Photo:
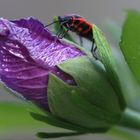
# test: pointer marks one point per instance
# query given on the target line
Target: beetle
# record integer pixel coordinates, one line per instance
(77, 24)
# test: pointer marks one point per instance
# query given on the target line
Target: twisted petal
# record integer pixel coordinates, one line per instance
(28, 53)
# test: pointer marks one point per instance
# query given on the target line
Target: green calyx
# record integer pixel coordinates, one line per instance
(92, 103)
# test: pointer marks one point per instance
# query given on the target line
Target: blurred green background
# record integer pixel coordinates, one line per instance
(15, 121)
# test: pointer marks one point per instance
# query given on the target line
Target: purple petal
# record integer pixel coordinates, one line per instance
(28, 53)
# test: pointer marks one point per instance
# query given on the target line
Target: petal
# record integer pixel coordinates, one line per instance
(28, 53)
(44, 47)
(23, 75)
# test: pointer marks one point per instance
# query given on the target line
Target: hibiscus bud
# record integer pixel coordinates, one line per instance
(56, 75)
(92, 103)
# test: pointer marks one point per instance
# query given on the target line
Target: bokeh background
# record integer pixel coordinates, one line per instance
(99, 12)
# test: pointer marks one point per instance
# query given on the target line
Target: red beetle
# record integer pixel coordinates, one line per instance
(77, 24)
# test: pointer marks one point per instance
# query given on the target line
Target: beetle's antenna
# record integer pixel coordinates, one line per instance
(51, 23)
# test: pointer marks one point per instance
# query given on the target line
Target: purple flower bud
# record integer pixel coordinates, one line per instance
(28, 53)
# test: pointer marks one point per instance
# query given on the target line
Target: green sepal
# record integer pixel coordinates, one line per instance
(90, 77)
(92, 85)
(57, 134)
(94, 110)
(63, 106)
(107, 59)
(57, 122)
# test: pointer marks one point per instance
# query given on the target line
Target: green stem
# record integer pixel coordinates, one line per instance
(131, 119)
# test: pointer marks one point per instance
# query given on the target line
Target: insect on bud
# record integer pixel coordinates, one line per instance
(56, 75)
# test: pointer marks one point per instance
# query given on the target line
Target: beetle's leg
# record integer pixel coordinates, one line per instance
(81, 41)
(92, 47)
(93, 50)
(63, 35)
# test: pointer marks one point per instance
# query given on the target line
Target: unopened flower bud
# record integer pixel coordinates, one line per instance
(56, 75)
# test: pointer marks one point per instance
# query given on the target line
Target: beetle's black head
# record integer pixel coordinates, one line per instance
(65, 19)
(68, 20)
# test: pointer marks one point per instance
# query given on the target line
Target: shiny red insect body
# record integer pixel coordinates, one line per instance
(77, 24)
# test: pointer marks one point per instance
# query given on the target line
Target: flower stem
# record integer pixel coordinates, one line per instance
(131, 119)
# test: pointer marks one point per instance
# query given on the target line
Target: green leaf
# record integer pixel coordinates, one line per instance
(106, 57)
(54, 121)
(113, 30)
(14, 116)
(130, 42)
(57, 135)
